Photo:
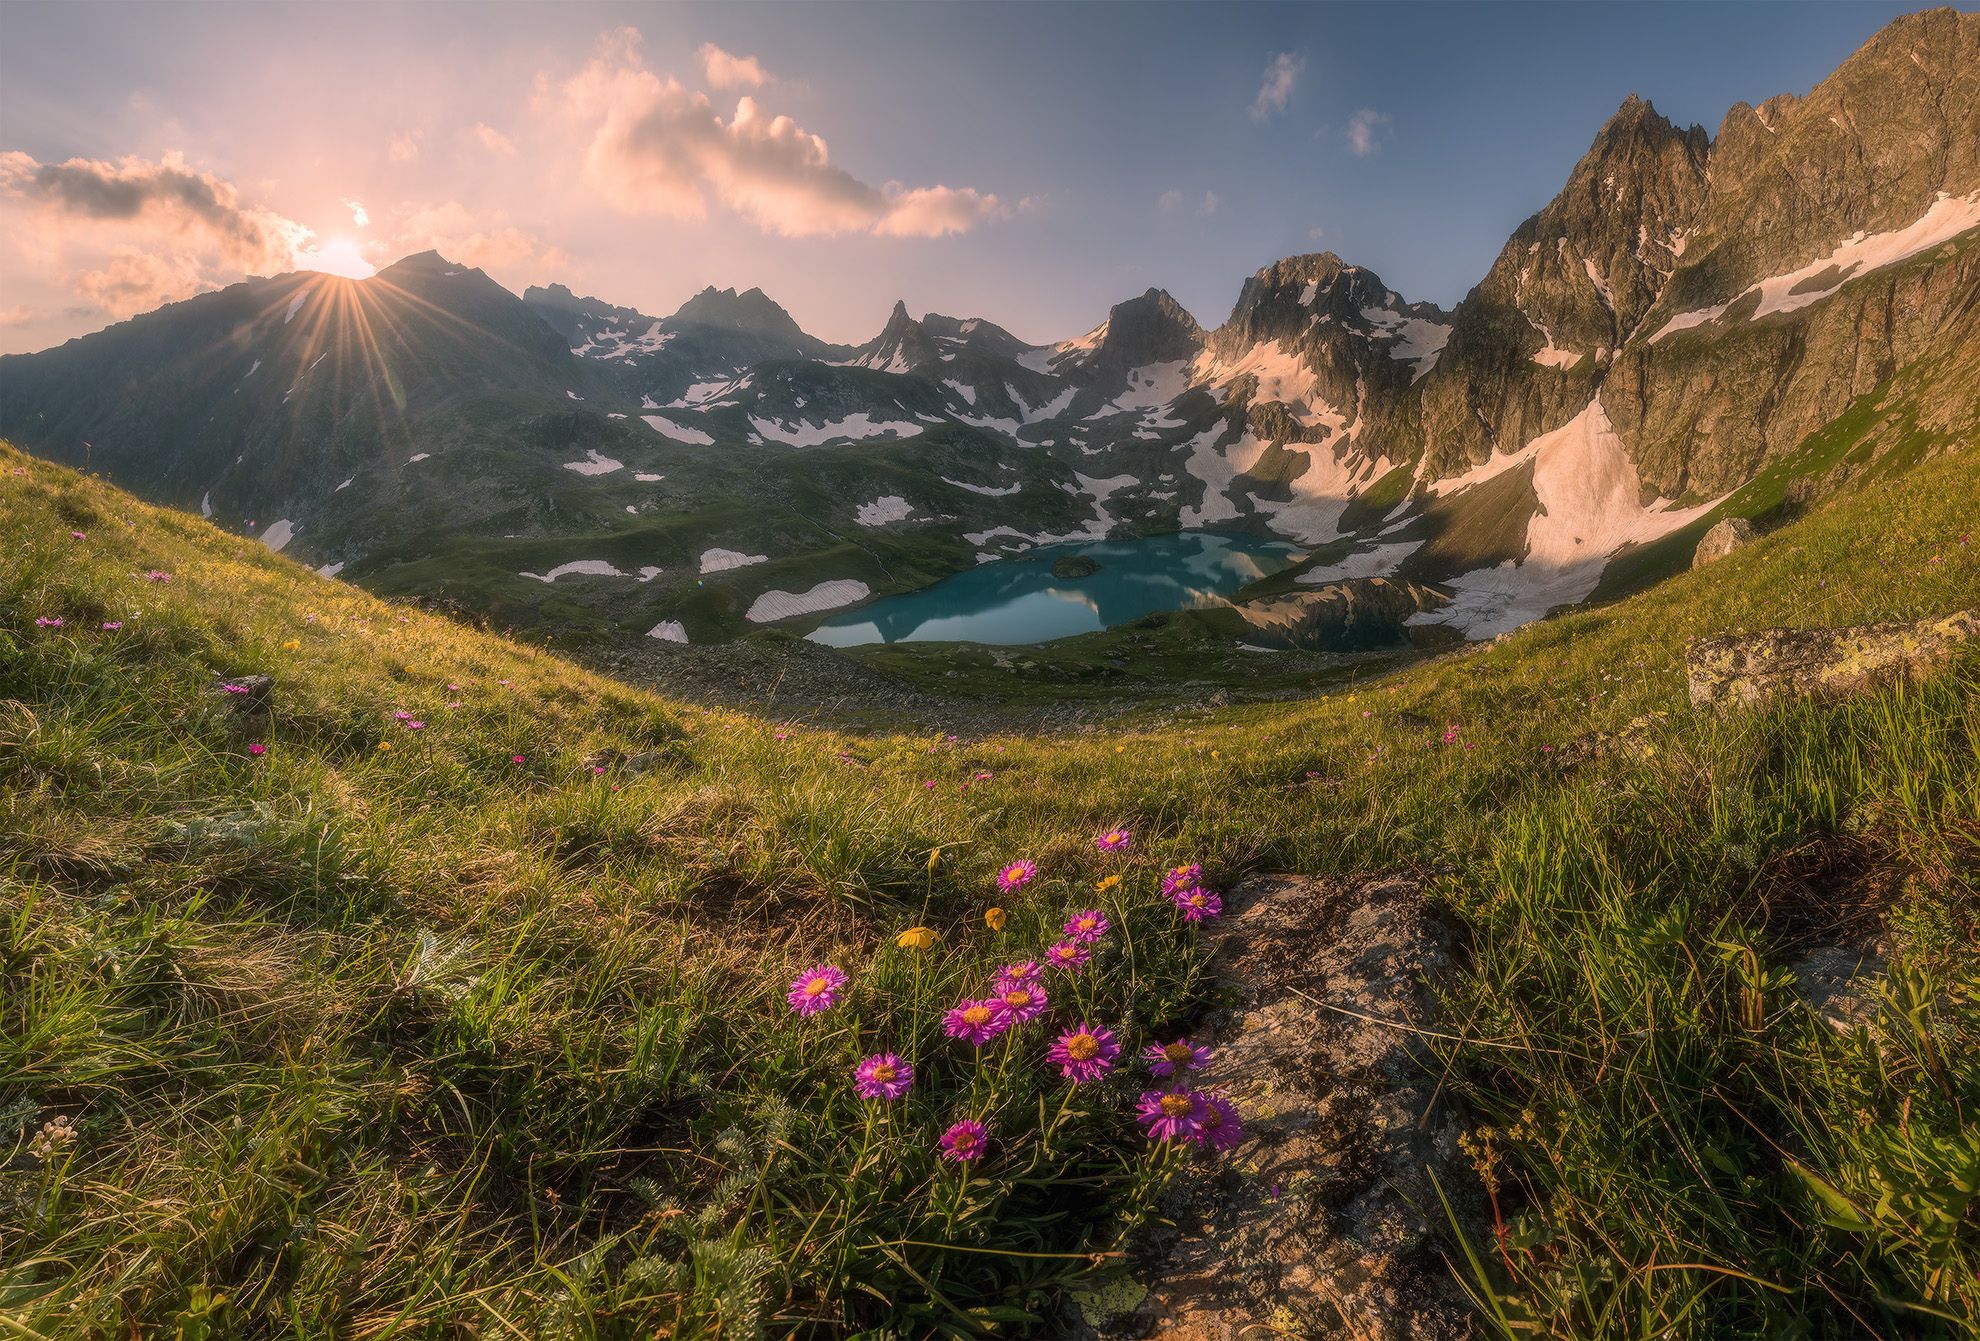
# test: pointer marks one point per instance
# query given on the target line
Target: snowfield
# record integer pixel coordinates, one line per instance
(1588, 492)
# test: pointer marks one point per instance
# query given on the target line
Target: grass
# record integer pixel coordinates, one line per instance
(466, 1037)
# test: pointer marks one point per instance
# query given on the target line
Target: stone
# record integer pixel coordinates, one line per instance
(1840, 983)
(1326, 1219)
(1747, 670)
(1727, 535)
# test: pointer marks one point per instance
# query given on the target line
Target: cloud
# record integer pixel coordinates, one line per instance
(1170, 202)
(723, 70)
(1209, 205)
(654, 148)
(482, 242)
(16, 315)
(493, 140)
(168, 196)
(1315, 234)
(137, 281)
(1282, 74)
(358, 214)
(403, 148)
(1366, 130)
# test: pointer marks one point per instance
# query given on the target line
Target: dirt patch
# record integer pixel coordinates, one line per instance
(1326, 1221)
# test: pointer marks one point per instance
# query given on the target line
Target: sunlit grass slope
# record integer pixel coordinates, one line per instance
(478, 1027)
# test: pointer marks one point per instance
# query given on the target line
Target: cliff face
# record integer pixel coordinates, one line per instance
(1724, 298)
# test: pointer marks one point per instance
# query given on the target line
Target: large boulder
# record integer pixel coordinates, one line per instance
(1725, 537)
(1326, 1219)
(1753, 668)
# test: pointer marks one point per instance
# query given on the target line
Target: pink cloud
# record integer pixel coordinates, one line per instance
(723, 70)
(656, 148)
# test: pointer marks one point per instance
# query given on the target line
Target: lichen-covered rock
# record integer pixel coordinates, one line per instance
(1727, 535)
(1840, 983)
(1326, 1221)
(1754, 668)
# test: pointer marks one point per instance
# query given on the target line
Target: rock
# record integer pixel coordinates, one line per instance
(247, 699)
(1724, 537)
(1840, 982)
(1750, 669)
(1075, 565)
(1325, 1220)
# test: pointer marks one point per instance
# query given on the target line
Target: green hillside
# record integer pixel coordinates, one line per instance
(316, 1022)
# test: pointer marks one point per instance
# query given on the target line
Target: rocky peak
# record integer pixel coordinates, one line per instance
(752, 312)
(902, 344)
(1153, 328)
(1290, 300)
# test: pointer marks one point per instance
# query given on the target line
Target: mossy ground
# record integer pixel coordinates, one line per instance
(461, 1036)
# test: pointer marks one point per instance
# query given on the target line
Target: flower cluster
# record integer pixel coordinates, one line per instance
(1084, 1053)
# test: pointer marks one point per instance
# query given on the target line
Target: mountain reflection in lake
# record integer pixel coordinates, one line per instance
(1020, 601)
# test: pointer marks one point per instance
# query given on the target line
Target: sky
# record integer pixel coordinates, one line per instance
(1028, 163)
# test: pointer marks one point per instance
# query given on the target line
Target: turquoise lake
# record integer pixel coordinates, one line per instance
(1019, 601)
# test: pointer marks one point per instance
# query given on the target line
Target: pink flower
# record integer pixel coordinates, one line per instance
(1217, 1122)
(816, 989)
(1025, 973)
(882, 1076)
(983, 775)
(402, 716)
(233, 689)
(1198, 905)
(515, 758)
(48, 622)
(257, 749)
(157, 575)
(1114, 840)
(112, 625)
(965, 1141)
(1016, 875)
(1018, 1004)
(1087, 926)
(1069, 955)
(77, 535)
(976, 1022)
(1084, 1053)
(1167, 1115)
(414, 724)
(1181, 1056)
(1182, 877)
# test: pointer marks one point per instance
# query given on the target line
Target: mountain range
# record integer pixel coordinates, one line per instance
(1698, 325)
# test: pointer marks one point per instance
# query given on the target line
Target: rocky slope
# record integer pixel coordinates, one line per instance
(1665, 333)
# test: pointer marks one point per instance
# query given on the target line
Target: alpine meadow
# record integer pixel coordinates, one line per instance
(1386, 818)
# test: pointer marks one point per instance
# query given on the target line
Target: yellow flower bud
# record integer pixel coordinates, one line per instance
(993, 918)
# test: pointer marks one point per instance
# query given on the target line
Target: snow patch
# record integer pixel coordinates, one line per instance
(887, 508)
(805, 434)
(721, 560)
(330, 569)
(595, 463)
(668, 631)
(1853, 258)
(987, 490)
(294, 303)
(775, 605)
(589, 567)
(669, 428)
(278, 534)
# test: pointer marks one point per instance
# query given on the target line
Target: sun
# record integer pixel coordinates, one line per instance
(338, 256)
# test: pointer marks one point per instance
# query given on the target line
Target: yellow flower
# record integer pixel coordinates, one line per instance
(916, 938)
(292, 644)
(384, 744)
(1106, 884)
(993, 918)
